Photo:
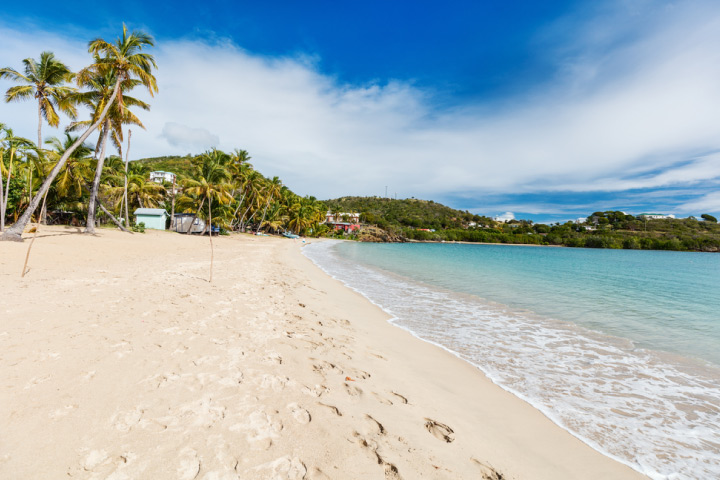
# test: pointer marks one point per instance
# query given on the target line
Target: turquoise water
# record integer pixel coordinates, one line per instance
(661, 300)
(622, 348)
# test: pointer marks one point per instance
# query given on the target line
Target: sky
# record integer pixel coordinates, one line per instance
(539, 110)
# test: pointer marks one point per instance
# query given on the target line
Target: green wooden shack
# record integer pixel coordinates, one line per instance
(155, 218)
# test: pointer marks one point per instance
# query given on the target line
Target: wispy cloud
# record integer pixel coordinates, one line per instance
(179, 135)
(634, 105)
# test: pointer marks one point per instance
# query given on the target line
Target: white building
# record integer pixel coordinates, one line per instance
(160, 177)
(655, 216)
(338, 217)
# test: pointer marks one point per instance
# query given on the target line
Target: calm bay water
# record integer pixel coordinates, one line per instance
(622, 348)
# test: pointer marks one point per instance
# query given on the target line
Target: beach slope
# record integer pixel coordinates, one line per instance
(118, 359)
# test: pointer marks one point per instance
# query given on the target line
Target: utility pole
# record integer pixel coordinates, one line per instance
(386, 191)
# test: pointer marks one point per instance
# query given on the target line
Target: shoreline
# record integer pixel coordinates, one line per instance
(144, 369)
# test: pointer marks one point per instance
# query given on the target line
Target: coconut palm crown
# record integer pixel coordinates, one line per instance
(125, 58)
(43, 80)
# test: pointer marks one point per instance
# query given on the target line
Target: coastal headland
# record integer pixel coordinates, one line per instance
(119, 359)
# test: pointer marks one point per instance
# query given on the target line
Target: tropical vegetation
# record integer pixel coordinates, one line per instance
(73, 179)
(421, 220)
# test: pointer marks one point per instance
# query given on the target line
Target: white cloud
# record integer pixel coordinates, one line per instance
(178, 135)
(504, 217)
(634, 114)
(705, 204)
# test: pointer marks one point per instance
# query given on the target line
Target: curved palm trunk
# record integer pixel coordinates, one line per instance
(2, 202)
(251, 217)
(14, 233)
(4, 198)
(212, 251)
(264, 212)
(125, 193)
(43, 209)
(112, 217)
(39, 125)
(241, 224)
(7, 184)
(232, 224)
(90, 226)
(195, 217)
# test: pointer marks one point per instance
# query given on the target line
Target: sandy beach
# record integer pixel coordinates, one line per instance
(119, 360)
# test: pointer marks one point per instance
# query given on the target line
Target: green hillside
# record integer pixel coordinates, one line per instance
(409, 212)
(180, 165)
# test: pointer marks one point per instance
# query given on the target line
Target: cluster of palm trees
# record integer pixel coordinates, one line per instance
(71, 178)
(116, 68)
(225, 190)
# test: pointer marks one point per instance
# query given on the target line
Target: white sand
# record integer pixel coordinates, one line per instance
(119, 360)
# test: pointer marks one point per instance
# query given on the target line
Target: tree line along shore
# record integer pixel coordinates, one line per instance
(65, 180)
(422, 220)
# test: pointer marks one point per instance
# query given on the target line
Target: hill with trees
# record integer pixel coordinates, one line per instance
(389, 213)
(423, 220)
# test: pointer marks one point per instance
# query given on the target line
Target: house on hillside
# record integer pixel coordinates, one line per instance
(340, 217)
(154, 218)
(655, 216)
(348, 222)
(160, 177)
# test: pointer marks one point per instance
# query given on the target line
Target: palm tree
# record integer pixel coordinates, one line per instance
(126, 58)
(44, 81)
(12, 147)
(101, 84)
(253, 188)
(140, 192)
(273, 189)
(210, 184)
(73, 176)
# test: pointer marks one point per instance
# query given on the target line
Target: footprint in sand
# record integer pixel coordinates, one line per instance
(352, 390)
(94, 459)
(370, 447)
(188, 465)
(274, 382)
(316, 474)
(284, 468)
(402, 399)
(332, 408)
(316, 391)
(381, 399)
(324, 367)
(439, 430)
(488, 472)
(124, 421)
(261, 429)
(374, 426)
(300, 415)
(204, 413)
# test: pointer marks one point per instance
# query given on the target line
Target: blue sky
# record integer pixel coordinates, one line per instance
(548, 110)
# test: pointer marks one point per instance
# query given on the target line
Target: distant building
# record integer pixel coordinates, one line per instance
(347, 222)
(581, 220)
(655, 216)
(154, 218)
(342, 217)
(160, 177)
(182, 223)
